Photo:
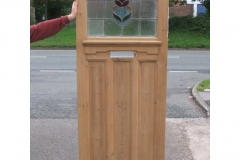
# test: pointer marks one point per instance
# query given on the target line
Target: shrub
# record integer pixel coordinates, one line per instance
(198, 24)
(201, 24)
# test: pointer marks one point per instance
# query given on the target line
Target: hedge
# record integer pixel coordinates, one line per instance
(198, 24)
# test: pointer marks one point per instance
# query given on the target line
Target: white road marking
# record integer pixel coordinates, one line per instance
(38, 56)
(57, 71)
(62, 56)
(173, 57)
(185, 71)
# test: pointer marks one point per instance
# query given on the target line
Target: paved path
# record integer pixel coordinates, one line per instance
(56, 139)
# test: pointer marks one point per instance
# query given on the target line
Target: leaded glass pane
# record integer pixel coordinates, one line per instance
(132, 29)
(148, 9)
(95, 27)
(95, 9)
(112, 29)
(135, 9)
(109, 9)
(121, 17)
(148, 28)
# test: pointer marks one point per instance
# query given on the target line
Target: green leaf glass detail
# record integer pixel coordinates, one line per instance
(121, 15)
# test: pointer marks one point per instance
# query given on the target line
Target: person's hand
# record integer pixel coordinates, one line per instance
(73, 14)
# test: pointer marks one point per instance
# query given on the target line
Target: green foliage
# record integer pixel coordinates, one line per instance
(199, 24)
(39, 5)
(58, 8)
(205, 84)
(187, 39)
(55, 8)
(174, 2)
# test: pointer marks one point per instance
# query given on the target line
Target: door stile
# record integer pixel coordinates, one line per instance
(110, 118)
(134, 122)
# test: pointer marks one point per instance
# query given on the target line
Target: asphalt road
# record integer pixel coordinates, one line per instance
(53, 83)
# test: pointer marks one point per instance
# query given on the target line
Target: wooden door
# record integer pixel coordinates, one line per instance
(121, 100)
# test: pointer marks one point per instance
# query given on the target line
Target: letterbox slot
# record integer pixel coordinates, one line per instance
(121, 54)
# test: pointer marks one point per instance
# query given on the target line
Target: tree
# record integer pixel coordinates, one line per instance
(52, 8)
(174, 2)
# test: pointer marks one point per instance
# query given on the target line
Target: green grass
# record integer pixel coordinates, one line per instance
(177, 39)
(65, 38)
(186, 39)
(205, 84)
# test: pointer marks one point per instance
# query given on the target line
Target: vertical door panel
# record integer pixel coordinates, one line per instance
(122, 100)
(97, 109)
(146, 89)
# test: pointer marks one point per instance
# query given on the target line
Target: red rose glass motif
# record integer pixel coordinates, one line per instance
(122, 3)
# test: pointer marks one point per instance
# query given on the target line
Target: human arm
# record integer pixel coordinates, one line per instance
(50, 27)
(47, 28)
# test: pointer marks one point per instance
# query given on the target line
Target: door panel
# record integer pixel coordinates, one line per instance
(97, 109)
(122, 116)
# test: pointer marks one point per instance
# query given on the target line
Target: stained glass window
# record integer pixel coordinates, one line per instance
(121, 18)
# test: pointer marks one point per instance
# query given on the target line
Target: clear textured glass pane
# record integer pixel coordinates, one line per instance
(109, 9)
(131, 29)
(148, 28)
(95, 27)
(135, 8)
(148, 9)
(112, 29)
(95, 9)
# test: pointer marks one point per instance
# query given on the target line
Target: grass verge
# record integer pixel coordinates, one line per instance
(186, 39)
(65, 38)
(205, 84)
